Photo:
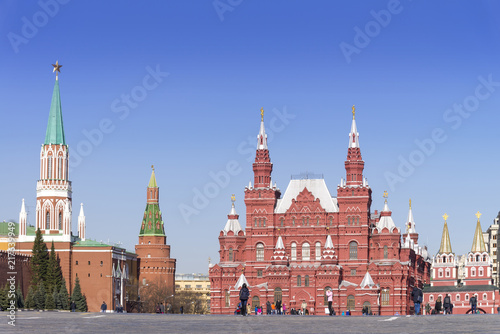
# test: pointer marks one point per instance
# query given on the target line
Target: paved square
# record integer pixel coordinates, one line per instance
(65, 322)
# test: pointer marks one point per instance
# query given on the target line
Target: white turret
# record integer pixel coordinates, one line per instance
(81, 223)
(23, 220)
(262, 136)
(353, 135)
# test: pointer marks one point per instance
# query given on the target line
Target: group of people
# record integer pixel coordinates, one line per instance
(104, 307)
(445, 306)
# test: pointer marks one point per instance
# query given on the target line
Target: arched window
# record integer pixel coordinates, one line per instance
(384, 297)
(60, 168)
(368, 307)
(260, 252)
(350, 302)
(481, 272)
(264, 222)
(317, 221)
(457, 297)
(230, 254)
(255, 302)
(331, 220)
(353, 250)
(277, 294)
(299, 280)
(448, 272)
(386, 252)
(477, 258)
(325, 301)
(473, 272)
(227, 298)
(484, 258)
(485, 296)
(60, 220)
(255, 222)
(306, 280)
(306, 253)
(47, 221)
(281, 222)
(293, 221)
(318, 251)
(294, 251)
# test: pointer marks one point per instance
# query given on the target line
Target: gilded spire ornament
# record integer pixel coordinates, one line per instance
(386, 194)
(410, 203)
(233, 198)
(478, 215)
(262, 114)
(445, 216)
(57, 69)
(353, 111)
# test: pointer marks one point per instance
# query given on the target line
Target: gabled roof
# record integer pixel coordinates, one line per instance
(367, 281)
(240, 282)
(318, 189)
(55, 128)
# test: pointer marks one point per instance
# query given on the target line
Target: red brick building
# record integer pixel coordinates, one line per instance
(472, 275)
(297, 245)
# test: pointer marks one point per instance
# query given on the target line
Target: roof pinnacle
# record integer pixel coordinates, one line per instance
(353, 111)
(262, 114)
(57, 69)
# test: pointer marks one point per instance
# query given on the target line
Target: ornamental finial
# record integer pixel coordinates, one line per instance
(445, 216)
(353, 111)
(478, 215)
(410, 203)
(153, 167)
(386, 194)
(233, 198)
(262, 114)
(57, 69)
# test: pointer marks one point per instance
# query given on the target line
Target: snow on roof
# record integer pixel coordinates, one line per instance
(316, 186)
(367, 281)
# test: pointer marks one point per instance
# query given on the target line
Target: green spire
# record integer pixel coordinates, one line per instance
(152, 223)
(55, 129)
(152, 180)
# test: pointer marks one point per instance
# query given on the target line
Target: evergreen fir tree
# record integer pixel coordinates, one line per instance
(40, 296)
(64, 296)
(19, 297)
(49, 301)
(57, 300)
(78, 297)
(54, 272)
(29, 303)
(39, 259)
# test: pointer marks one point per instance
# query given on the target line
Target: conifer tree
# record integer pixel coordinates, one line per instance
(4, 301)
(29, 303)
(19, 298)
(39, 259)
(64, 296)
(79, 299)
(54, 272)
(57, 300)
(49, 301)
(40, 296)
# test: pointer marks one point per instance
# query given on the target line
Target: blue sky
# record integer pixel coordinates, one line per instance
(424, 77)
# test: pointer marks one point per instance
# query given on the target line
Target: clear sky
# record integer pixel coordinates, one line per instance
(180, 84)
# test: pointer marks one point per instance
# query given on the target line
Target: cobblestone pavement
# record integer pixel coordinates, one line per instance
(65, 322)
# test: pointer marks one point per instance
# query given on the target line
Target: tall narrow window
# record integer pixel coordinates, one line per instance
(277, 294)
(281, 222)
(49, 167)
(294, 251)
(306, 280)
(318, 251)
(60, 220)
(350, 302)
(299, 281)
(59, 169)
(227, 298)
(386, 252)
(306, 252)
(384, 297)
(317, 221)
(47, 221)
(260, 252)
(264, 222)
(230, 254)
(353, 250)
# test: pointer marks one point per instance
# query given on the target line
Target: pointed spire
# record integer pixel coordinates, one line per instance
(386, 217)
(152, 180)
(279, 256)
(367, 281)
(445, 247)
(279, 243)
(328, 252)
(386, 207)
(242, 280)
(232, 223)
(353, 135)
(262, 137)
(55, 128)
(81, 223)
(22, 219)
(478, 245)
(410, 223)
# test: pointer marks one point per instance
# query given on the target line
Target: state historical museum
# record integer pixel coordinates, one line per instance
(298, 245)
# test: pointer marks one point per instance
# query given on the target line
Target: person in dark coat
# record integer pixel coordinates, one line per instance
(268, 307)
(73, 306)
(439, 306)
(104, 307)
(417, 297)
(447, 304)
(473, 304)
(244, 295)
(278, 307)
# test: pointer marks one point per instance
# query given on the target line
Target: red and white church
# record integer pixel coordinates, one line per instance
(298, 245)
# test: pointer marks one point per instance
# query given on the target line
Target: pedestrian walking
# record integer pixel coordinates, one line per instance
(473, 304)
(244, 295)
(329, 295)
(104, 307)
(447, 304)
(268, 307)
(73, 306)
(439, 306)
(417, 297)
(284, 309)
(278, 307)
(162, 308)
